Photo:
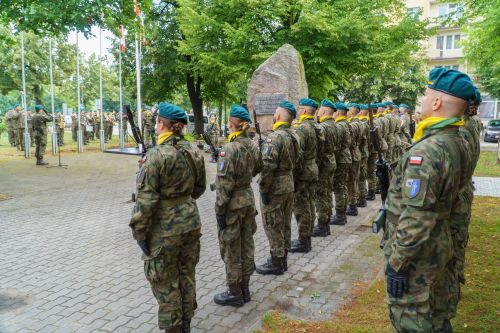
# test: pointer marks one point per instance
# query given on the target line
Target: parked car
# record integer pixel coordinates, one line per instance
(492, 131)
(190, 126)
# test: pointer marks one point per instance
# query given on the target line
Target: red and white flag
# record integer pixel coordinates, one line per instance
(123, 32)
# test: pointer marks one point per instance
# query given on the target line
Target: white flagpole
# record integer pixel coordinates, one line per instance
(79, 131)
(101, 131)
(138, 74)
(27, 138)
(54, 133)
(122, 133)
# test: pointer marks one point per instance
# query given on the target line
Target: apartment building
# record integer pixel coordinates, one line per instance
(445, 47)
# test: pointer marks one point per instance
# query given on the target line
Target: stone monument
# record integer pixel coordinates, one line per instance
(281, 77)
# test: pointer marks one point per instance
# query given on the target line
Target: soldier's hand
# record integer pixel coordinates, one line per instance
(397, 282)
(144, 247)
(221, 221)
(266, 199)
(215, 154)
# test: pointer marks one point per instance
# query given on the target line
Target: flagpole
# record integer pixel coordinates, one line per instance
(138, 74)
(122, 138)
(54, 133)
(27, 138)
(79, 131)
(101, 131)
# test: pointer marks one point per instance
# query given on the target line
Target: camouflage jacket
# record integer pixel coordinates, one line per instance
(404, 130)
(344, 142)
(280, 154)
(239, 162)
(326, 156)
(422, 192)
(9, 121)
(364, 138)
(395, 125)
(171, 178)
(311, 139)
(39, 122)
(382, 132)
(356, 129)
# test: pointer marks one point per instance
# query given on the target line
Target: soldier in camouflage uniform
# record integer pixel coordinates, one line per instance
(404, 131)
(10, 127)
(422, 194)
(60, 129)
(74, 126)
(39, 122)
(311, 140)
(394, 143)
(327, 165)
(362, 118)
(239, 161)
(383, 131)
(280, 154)
(165, 220)
(344, 161)
(352, 181)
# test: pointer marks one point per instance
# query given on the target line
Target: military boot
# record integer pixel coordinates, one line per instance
(176, 329)
(352, 210)
(321, 230)
(371, 195)
(186, 325)
(300, 246)
(232, 296)
(40, 161)
(361, 202)
(274, 265)
(447, 328)
(339, 218)
(245, 288)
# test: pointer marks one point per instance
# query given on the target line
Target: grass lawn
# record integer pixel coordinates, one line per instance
(487, 165)
(479, 310)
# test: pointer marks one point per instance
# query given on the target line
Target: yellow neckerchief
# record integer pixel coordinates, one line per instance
(377, 115)
(163, 137)
(301, 119)
(433, 121)
(324, 118)
(362, 117)
(349, 119)
(340, 119)
(279, 124)
(234, 135)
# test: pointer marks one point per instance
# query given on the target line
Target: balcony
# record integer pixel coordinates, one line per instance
(450, 54)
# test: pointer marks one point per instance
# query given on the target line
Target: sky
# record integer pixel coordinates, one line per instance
(91, 45)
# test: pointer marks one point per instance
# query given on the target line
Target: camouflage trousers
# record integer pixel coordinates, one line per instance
(304, 207)
(352, 183)
(277, 219)
(362, 190)
(12, 136)
(340, 185)
(20, 137)
(171, 273)
(236, 244)
(371, 172)
(74, 131)
(324, 200)
(41, 145)
(60, 136)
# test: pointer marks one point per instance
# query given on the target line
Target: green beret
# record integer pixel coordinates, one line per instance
(379, 105)
(404, 106)
(341, 106)
(328, 103)
(237, 111)
(171, 111)
(16, 105)
(354, 105)
(477, 98)
(388, 103)
(308, 102)
(452, 82)
(289, 106)
(39, 107)
(363, 106)
(396, 106)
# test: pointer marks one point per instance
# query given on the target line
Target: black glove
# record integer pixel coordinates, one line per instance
(215, 154)
(266, 200)
(397, 282)
(144, 247)
(221, 221)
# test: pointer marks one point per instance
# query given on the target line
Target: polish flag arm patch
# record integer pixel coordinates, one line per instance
(416, 160)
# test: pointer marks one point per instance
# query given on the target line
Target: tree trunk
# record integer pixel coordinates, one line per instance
(194, 91)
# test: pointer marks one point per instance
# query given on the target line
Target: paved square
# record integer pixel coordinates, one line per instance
(69, 263)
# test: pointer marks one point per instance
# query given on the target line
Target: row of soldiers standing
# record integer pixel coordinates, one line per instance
(90, 125)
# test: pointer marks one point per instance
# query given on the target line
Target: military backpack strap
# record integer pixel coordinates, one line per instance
(188, 157)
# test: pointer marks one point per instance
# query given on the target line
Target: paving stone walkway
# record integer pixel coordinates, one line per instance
(69, 263)
(487, 186)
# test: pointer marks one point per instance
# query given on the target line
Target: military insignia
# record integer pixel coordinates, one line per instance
(269, 140)
(413, 187)
(416, 160)
(222, 154)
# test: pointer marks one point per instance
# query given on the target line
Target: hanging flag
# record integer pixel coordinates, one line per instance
(122, 39)
(136, 8)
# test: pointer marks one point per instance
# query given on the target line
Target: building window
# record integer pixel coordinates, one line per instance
(440, 43)
(414, 12)
(456, 67)
(451, 10)
(458, 43)
(449, 42)
(452, 42)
